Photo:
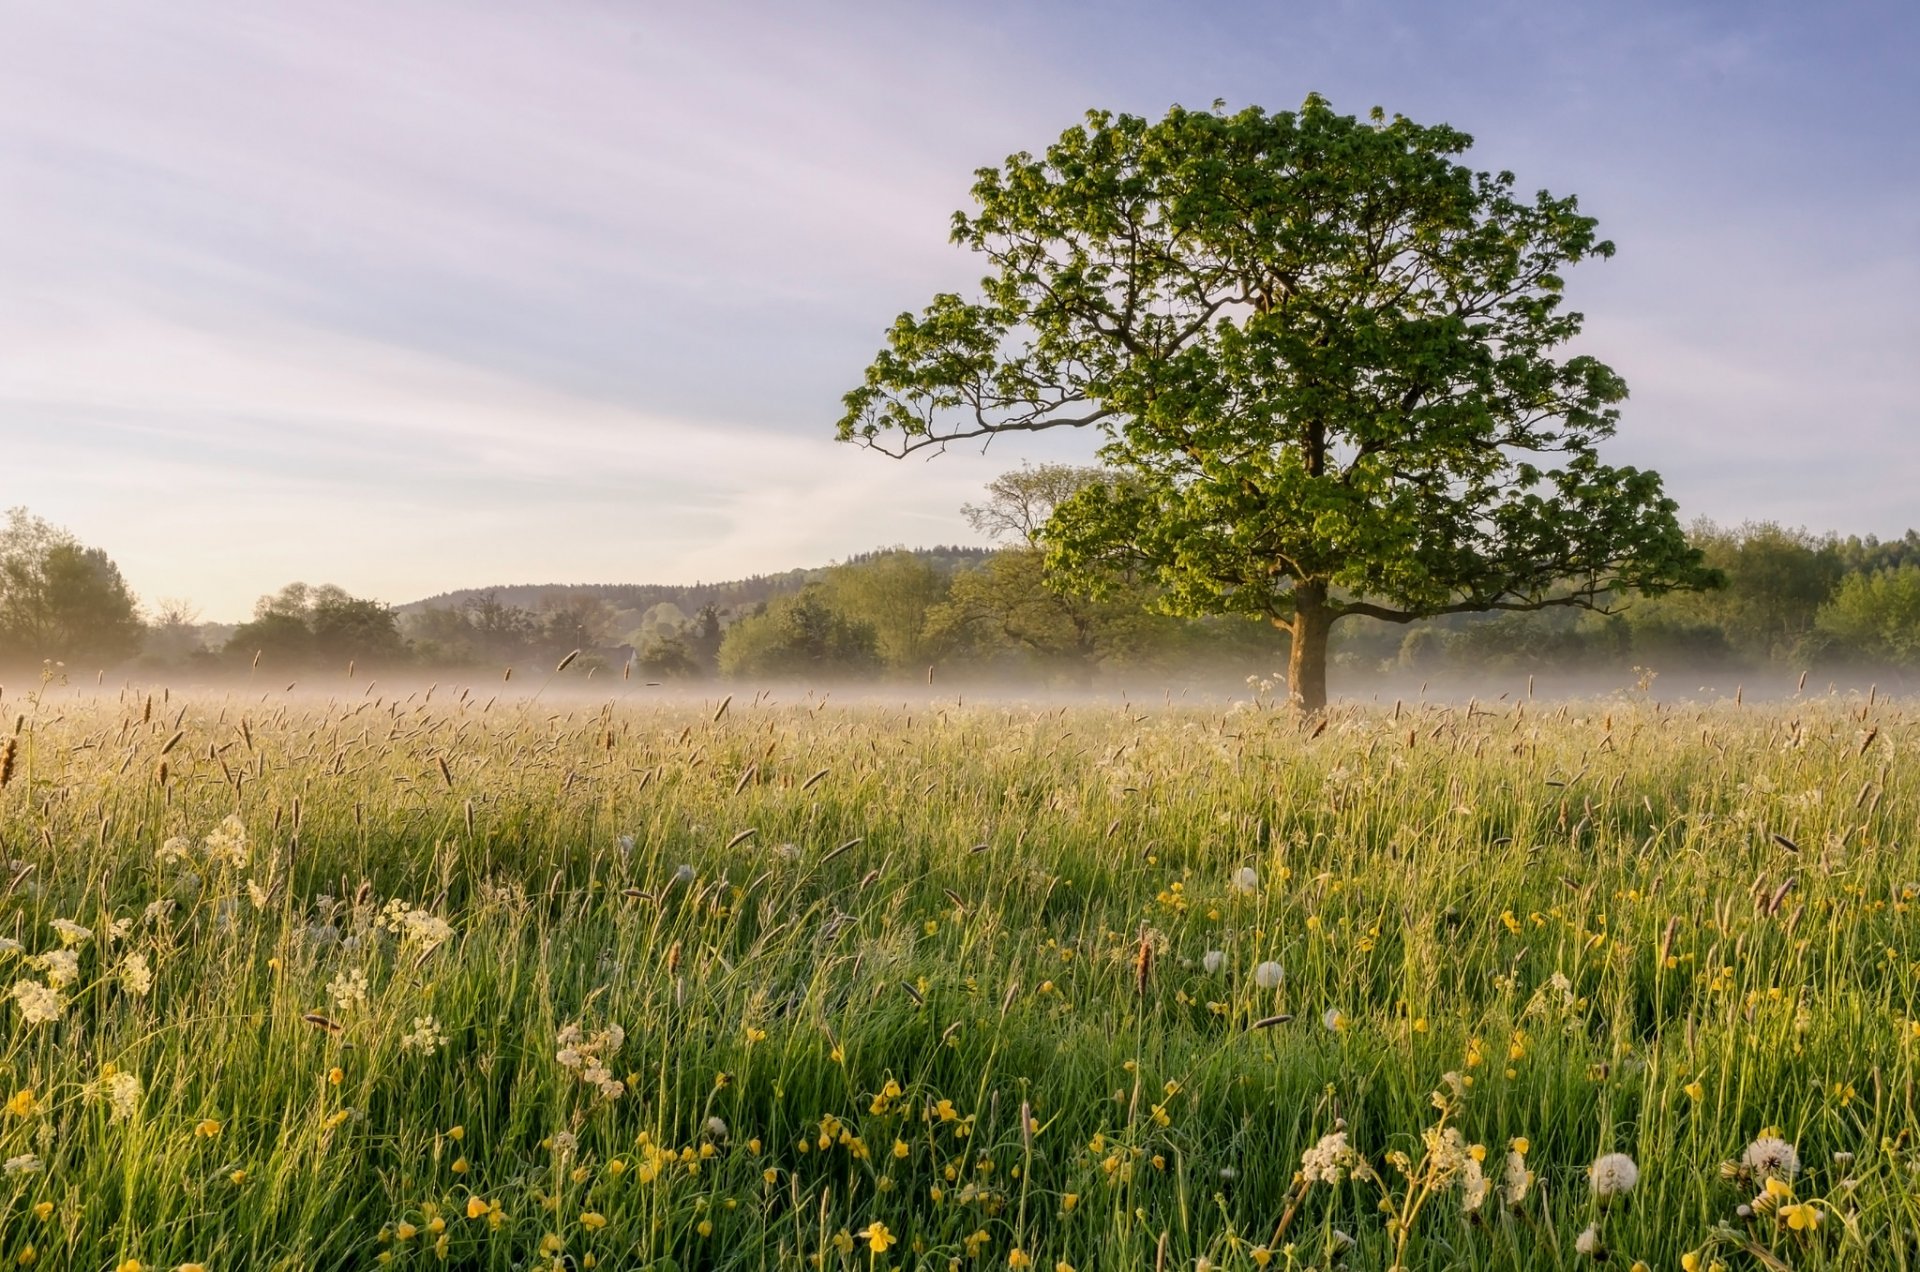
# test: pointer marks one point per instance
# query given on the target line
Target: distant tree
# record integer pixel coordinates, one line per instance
(1323, 355)
(441, 636)
(500, 631)
(60, 599)
(665, 656)
(703, 638)
(1776, 580)
(1872, 619)
(348, 629)
(174, 635)
(892, 593)
(573, 620)
(274, 638)
(301, 626)
(1012, 604)
(800, 636)
(1021, 502)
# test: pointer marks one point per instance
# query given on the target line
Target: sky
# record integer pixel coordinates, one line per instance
(412, 296)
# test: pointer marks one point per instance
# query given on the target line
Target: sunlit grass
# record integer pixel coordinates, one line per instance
(801, 985)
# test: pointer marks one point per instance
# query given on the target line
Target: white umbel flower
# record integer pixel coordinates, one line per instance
(1328, 1161)
(39, 1004)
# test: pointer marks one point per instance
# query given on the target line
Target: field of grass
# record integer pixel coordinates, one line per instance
(438, 982)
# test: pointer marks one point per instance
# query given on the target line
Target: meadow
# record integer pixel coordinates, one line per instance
(297, 983)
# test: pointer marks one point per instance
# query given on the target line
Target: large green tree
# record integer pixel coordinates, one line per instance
(1325, 355)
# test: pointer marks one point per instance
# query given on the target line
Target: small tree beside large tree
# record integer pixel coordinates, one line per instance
(1324, 357)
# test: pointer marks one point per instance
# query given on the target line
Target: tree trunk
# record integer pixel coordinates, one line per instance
(1307, 660)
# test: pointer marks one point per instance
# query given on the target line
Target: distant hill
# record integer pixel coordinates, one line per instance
(690, 597)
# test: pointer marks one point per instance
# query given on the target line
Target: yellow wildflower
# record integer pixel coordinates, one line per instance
(1801, 1217)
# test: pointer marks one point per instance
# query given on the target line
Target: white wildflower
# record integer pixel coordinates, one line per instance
(257, 894)
(602, 1080)
(1330, 1160)
(71, 934)
(39, 1004)
(136, 974)
(1447, 1152)
(1770, 1157)
(565, 1143)
(427, 1036)
(174, 851)
(117, 929)
(1516, 1181)
(10, 946)
(426, 929)
(586, 1056)
(24, 1164)
(226, 843)
(349, 988)
(157, 910)
(1613, 1175)
(61, 966)
(625, 843)
(123, 1092)
(1474, 1185)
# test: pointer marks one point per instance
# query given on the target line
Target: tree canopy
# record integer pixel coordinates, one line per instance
(59, 599)
(1324, 356)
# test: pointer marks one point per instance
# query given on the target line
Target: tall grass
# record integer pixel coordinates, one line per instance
(808, 986)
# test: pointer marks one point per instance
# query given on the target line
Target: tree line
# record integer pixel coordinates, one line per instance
(1790, 599)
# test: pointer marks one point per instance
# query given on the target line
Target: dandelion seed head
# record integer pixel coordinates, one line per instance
(1771, 1157)
(1613, 1175)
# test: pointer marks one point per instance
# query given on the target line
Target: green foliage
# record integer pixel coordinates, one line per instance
(1323, 355)
(800, 636)
(668, 657)
(1775, 580)
(891, 592)
(302, 627)
(60, 599)
(1873, 618)
(1011, 609)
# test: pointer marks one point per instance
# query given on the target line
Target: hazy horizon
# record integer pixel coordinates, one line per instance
(424, 298)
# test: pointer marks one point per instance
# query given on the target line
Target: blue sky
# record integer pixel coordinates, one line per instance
(413, 296)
